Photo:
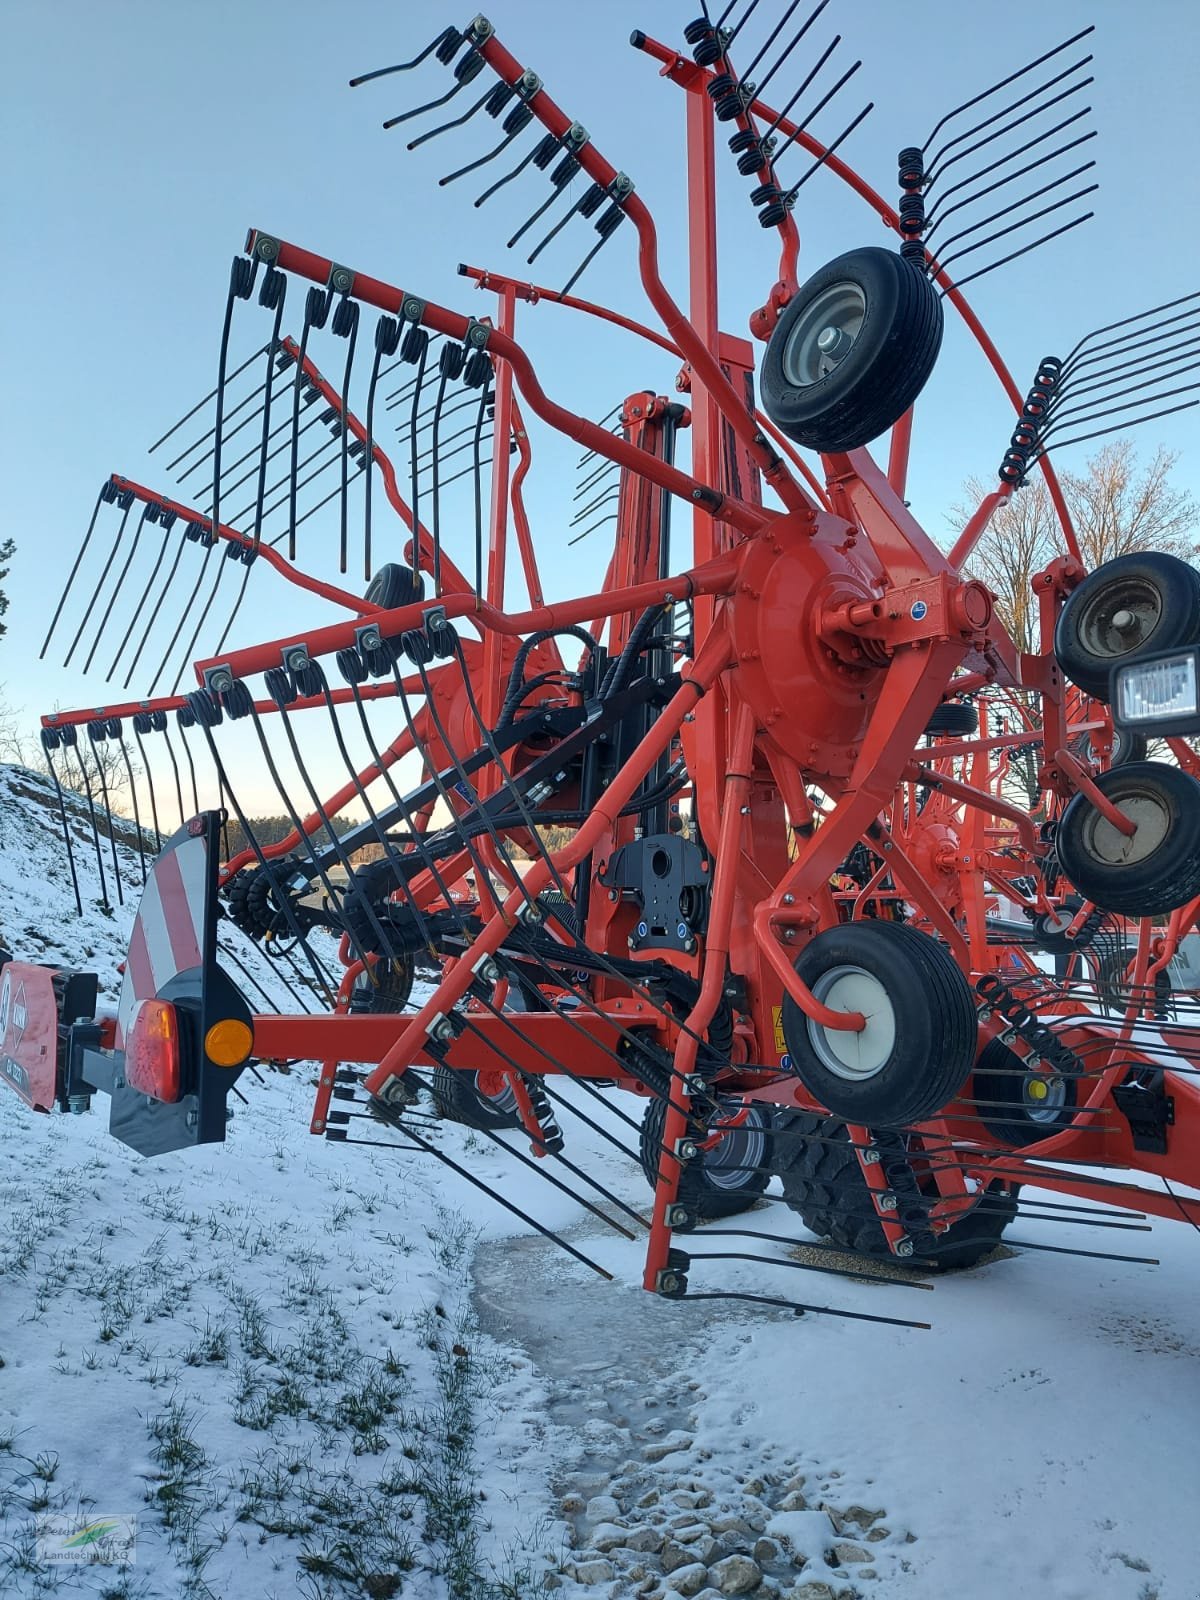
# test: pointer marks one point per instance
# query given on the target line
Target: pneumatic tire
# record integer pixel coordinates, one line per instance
(852, 350)
(823, 1181)
(1141, 602)
(1155, 870)
(919, 1044)
(720, 1182)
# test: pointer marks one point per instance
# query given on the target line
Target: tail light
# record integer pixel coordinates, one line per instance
(152, 1051)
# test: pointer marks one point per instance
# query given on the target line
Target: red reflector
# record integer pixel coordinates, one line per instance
(195, 826)
(152, 1063)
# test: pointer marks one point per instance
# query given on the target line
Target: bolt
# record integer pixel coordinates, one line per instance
(869, 1158)
(789, 899)
(1124, 621)
(903, 1247)
(668, 1283)
(886, 1202)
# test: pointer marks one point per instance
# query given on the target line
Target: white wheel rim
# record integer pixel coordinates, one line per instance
(1151, 819)
(854, 1056)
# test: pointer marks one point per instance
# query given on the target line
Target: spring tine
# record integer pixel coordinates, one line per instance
(1076, 357)
(933, 164)
(117, 732)
(122, 576)
(316, 310)
(387, 339)
(830, 150)
(593, 505)
(581, 536)
(230, 432)
(961, 283)
(515, 124)
(70, 741)
(248, 560)
(404, 66)
(181, 718)
(800, 90)
(1128, 420)
(62, 599)
(421, 347)
(97, 733)
(272, 295)
(800, 1307)
(141, 722)
(789, 12)
(545, 147)
(1152, 346)
(186, 657)
(446, 366)
(167, 521)
(541, 211)
(594, 477)
(160, 721)
(348, 312)
(49, 739)
(1024, 222)
(477, 467)
(745, 18)
(935, 216)
(1017, 123)
(126, 504)
(154, 614)
(312, 510)
(1186, 354)
(786, 52)
(241, 280)
(1004, 82)
(442, 100)
(386, 1114)
(322, 977)
(803, 122)
(285, 427)
(211, 395)
(617, 215)
(455, 122)
(294, 485)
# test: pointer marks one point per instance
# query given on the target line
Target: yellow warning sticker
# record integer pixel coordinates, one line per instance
(777, 1019)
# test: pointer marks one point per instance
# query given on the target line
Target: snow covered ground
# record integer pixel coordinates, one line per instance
(328, 1370)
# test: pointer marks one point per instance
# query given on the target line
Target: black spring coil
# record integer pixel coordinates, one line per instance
(1014, 468)
(1022, 1022)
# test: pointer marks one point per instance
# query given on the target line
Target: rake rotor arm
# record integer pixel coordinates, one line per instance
(327, 591)
(678, 69)
(386, 297)
(682, 332)
(714, 577)
(483, 278)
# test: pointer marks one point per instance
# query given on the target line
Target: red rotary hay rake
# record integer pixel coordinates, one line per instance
(790, 903)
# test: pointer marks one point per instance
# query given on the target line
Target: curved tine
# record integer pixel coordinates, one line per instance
(816, 111)
(932, 164)
(937, 214)
(403, 66)
(786, 51)
(1035, 216)
(1004, 82)
(432, 105)
(455, 122)
(1125, 322)
(830, 150)
(211, 395)
(1017, 123)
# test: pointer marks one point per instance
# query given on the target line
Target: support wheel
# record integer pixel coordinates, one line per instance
(1140, 602)
(482, 1100)
(918, 1046)
(823, 1181)
(724, 1180)
(1018, 1105)
(953, 719)
(1151, 871)
(852, 350)
(394, 585)
(385, 989)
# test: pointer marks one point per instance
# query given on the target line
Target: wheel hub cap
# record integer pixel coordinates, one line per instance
(850, 1055)
(825, 334)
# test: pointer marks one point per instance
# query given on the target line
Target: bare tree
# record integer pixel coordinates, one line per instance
(1116, 506)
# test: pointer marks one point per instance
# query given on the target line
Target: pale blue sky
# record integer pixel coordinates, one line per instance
(142, 138)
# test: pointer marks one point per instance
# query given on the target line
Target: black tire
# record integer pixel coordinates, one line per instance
(894, 319)
(1114, 990)
(1158, 868)
(1128, 746)
(1009, 1110)
(931, 1022)
(1161, 597)
(714, 1183)
(394, 585)
(1048, 928)
(954, 718)
(823, 1181)
(458, 1098)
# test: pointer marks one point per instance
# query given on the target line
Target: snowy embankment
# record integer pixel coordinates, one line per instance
(264, 1349)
